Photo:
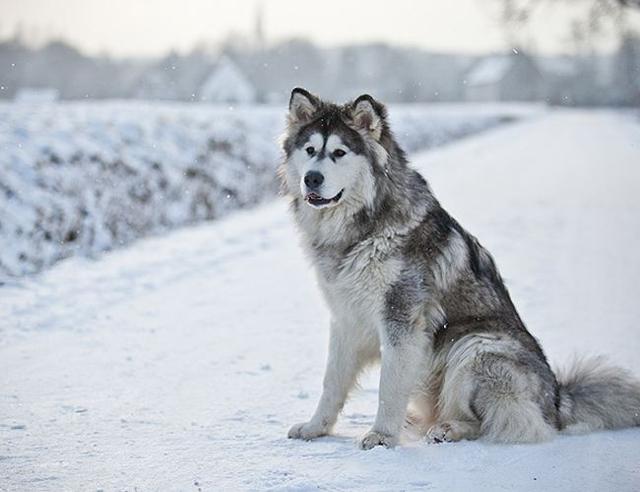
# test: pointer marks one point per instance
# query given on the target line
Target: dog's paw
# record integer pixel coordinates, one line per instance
(307, 431)
(373, 438)
(445, 432)
(439, 433)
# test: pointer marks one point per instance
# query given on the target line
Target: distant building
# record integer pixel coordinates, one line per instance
(33, 95)
(514, 77)
(161, 80)
(227, 84)
(562, 82)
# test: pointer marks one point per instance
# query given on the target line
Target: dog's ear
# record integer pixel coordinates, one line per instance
(302, 106)
(368, 115)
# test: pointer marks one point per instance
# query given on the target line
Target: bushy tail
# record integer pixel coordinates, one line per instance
(595, 395)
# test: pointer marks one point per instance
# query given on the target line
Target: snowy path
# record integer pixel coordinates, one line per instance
(181, 362)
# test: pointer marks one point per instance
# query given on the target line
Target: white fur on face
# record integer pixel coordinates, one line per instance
(350, 173)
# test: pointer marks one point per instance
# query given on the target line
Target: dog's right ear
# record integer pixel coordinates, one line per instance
(368, 115)
(302, 106)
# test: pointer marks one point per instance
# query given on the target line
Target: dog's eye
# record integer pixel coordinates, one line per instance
(310, 150)
(339, 153)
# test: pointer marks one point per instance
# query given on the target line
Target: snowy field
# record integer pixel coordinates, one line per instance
(179, 363)
(81, 178)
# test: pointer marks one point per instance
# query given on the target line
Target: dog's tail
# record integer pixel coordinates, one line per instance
(595, 395)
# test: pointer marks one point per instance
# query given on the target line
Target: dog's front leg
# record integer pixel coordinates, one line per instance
(346, 359)
(402, 355)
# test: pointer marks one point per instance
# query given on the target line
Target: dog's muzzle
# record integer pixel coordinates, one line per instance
(316, 200)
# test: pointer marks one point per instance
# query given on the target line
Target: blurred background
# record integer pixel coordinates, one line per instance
(571, 52)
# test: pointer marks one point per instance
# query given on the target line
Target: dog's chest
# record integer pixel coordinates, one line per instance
(356, 282)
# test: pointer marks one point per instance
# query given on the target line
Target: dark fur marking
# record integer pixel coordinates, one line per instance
(327, 122)
(473, 404)
(400, 299)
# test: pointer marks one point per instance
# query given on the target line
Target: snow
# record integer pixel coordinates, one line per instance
(180, 363)
(81, 178)
(30, 95)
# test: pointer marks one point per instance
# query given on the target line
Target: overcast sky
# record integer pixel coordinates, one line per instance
(152, 27)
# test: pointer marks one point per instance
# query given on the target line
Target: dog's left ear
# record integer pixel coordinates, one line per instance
(368, 115)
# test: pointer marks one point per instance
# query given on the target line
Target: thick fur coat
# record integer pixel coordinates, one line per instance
(409, 287)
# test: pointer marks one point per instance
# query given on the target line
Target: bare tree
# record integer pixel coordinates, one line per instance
(595, 16)
(588, 23)
(518, 12)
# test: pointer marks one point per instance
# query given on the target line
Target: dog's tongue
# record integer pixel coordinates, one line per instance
(313, 196)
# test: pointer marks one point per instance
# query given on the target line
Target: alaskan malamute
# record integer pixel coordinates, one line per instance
(408, 286)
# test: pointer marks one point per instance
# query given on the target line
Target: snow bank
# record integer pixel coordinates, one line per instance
(85, 177)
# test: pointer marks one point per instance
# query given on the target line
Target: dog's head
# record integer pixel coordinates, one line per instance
(331, 150)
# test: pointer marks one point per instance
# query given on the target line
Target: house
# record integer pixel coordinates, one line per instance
(227, 84)
(513, 77)
(173, 78)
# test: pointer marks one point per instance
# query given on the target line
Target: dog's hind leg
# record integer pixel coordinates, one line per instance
(456, 418)
(508, 401)
(494, 393)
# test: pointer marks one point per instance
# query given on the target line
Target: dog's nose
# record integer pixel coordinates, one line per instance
(313, 180)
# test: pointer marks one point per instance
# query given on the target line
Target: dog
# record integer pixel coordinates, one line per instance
(407, 286)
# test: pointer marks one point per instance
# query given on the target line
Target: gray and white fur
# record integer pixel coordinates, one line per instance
(409, 287)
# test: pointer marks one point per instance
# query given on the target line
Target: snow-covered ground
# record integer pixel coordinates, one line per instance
(180, 362)
(84, 177)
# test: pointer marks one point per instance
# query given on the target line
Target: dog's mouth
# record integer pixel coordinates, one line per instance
(316, 200)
